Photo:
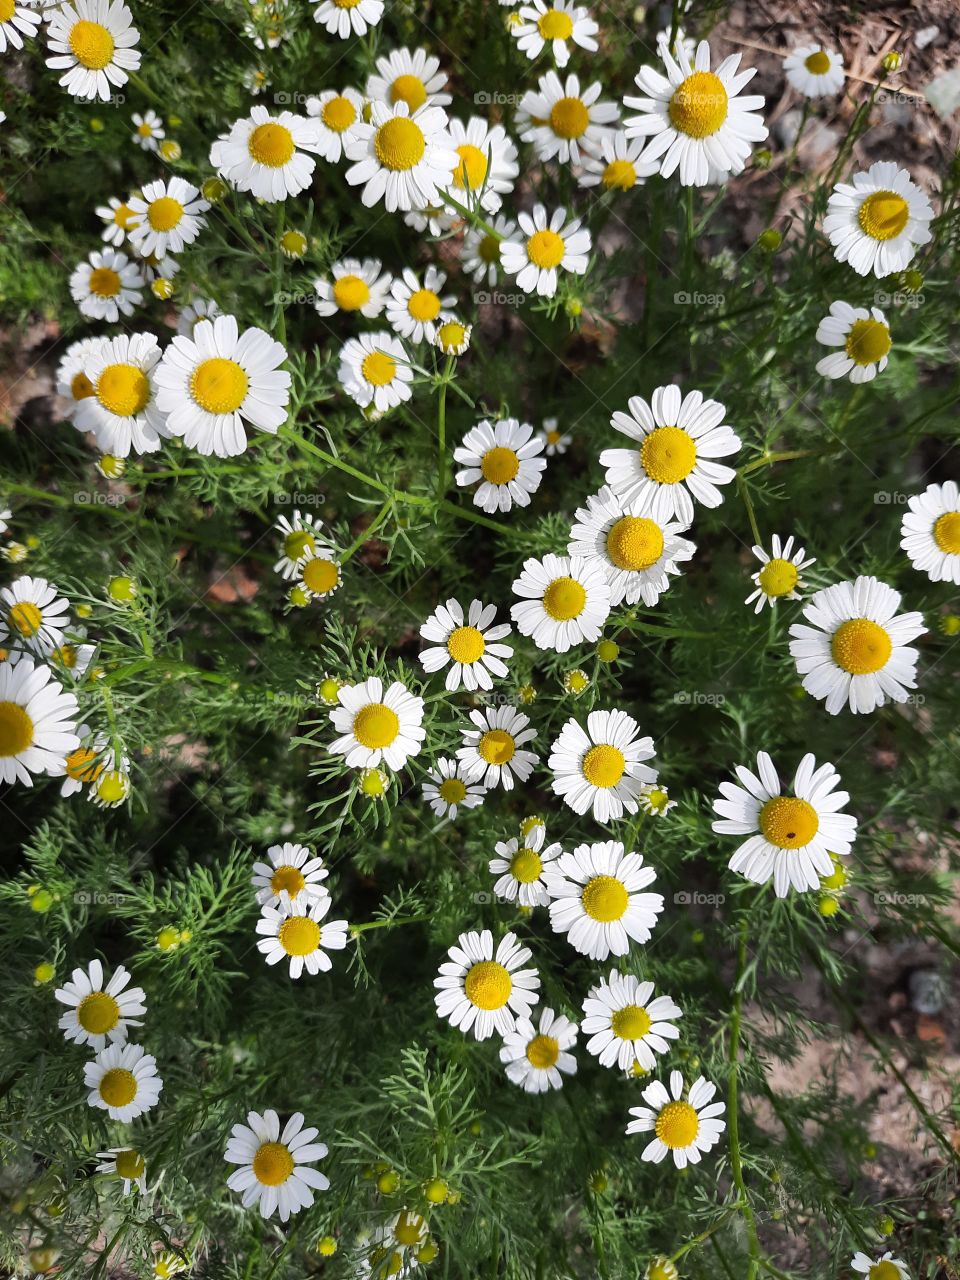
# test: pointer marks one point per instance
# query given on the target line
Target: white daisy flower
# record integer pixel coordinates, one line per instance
(195, 311)
(107, 285)
(863, 338)
(72, 382)
(637, 551)
(930, 532)
(213, 382)
(16, 21)
(377, 725)
(522, 865)
(468, 644)
(505, 457)
(413, 77)
(791, 837)
(483, 990)
(117, 217)
(449, 788)
(779, 579)
(857, 650)
(680, 41)
(557, 24)
(560, 120)
(695, 118)
(814, 71)
(168, 217)
(555, 442)
(480, 257)
(275, 1170)
(618, 164)
(148, 130)
(625, 1025)
(127, 1164)
(486, 166)
(93, 44)
(98, 1011)
(301, 535)
(112, 785)
(413, 306)
(355, 286)
(344, 18)
(319, 572)
(84, 764)
(255, 81)
(542, 248)
(293, 931)
(682, 1127)
(601, 768)
(453, 334)
(335, 114)
(264, 154)
(401, 158)
(123, 1081)
(564, 601)
(33, 617)
(492, 752)
(654, 799)
(678, 438)
(73, 658)
(886, 1267)
(375, 370)
(38, 722)
(596, 899)
(537, 1057)
(877, 222)
(123, 411)
(291, 874)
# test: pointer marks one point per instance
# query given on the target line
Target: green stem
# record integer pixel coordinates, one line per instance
(472, 217)
(786, 455)
(368, 532)
(705, 1235)
(744, 493)
(733, 1115)
(442, 430)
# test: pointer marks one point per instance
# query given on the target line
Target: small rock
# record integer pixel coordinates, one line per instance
(925, 36)
(927, 991)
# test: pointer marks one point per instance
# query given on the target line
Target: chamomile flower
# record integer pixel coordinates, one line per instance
(117, 218)
(195, 311)
(400, 157)
(275, 1168)
(814, 71)
(857, 649)
(505, 457)
(877, 222)
(255, 81)
(123, 1081)
(168, 217)
(493, 751)
(482, 990)
(99, 1011)
(301, 535)
(265, 154)
(414, 305)
(557, 23)
(354, 286)
(296, 930)
(537, 1056)
(127, 1164)
(93, 42)
(344, 18)
(522, 865)
(73, 658)
(564, 601)
(395, 1247)
(779, 579)
(930, 532)
(601, 768)
(695, 118)
(555, 442)
(790, 837)
(561, 120)
(886, 1267)
(486, 163)
(453, 334)
(654, 799)
(375, 370)
(107, 286)
(468, 644)
(618, 164)
(411, 77)
(148, 130)
(543, 247)
(597, 899)
(626, 1023)
(481, 255)
(123, 410)
(334, 114)
(33, 617)
(319, 573)
(449, 788)
(38, 722)
(16, 21)
(291, 874)
(377, 723)
(111, 787)
(211, 383)
(863, 339)
(682, 1127)
(637, 551)
(678, 437)
(84, 764)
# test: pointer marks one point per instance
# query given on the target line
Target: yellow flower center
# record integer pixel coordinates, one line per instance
(66, 655)
(123, 389)
(619, 175)
(868, 341)
(16, 729)
(778, 577)
(104, 282)
(287, 879)
(7, 9)
(219, 385)
(165, 213)
(545, 249)
(632, 1022)
(375, 726)
(130, 1164)
(861, 646)
(668, 455)
(424, 305)
(378, 368)
(296, 543)
(555, 25)
(451, 335)
(564, 598)
(488, 249)
(80, 386)
(26, 617)
(408, 1230)
(98, 1013)
(496, 746)
(635, 543)
(145, 130)
(569, 118)
(92, 44)
(272, 1164)
(124, 216)
(883, 215)
(408, 89)
(543, 1052)
(472, 169)
(525, 866)
(82, 765)
(789, 822)
(699, 106)
(499, 465)
(271, 144)
(399, 144)
(338, 114)
(677, 1125)
(112, 787)
(320, 575)
(346, 4)
(452, 791)
(350, 293)
(946, 533)
(118, 1087)
(883, 1270)
(488, 985)
(299, 936)
(604, 899)
(466, 645)
(603, 766)
(818, 63)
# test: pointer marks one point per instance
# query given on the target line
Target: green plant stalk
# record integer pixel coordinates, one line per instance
(733, 1116)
